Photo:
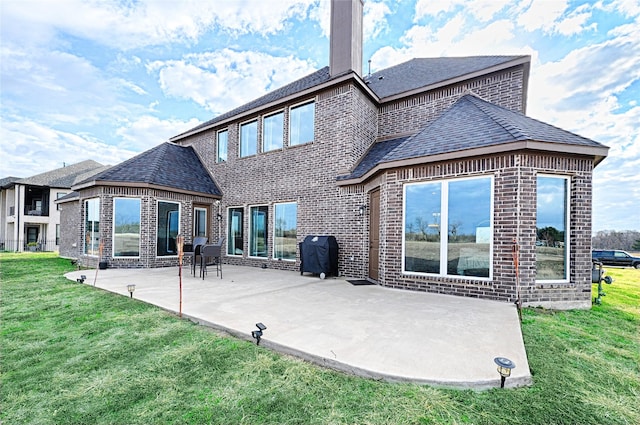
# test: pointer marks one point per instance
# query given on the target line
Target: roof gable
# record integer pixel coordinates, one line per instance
(423, 72)
(470, 123)
(166, 165)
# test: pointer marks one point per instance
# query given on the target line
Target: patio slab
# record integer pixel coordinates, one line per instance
(370, 331)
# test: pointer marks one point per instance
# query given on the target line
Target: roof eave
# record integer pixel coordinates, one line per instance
(144, 185)
(597, 152)
(523, 60)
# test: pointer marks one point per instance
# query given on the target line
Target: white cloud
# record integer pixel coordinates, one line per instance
(433, 8)
(374, 20)
(35, 148)
(148, 131)
(222, 80)
(126, 25)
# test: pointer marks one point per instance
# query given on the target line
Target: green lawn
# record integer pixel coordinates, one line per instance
(73, 354)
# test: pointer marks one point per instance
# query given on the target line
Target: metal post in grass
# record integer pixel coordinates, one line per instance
(180, 243)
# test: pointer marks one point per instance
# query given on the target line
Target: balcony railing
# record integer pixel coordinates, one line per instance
(13, 245)
(34, 212)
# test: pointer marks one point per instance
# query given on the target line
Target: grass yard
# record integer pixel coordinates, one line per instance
(73, 354)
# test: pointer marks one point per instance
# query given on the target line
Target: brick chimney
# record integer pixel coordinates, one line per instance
(345, 53)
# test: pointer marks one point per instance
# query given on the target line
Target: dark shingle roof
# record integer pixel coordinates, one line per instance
(63, 177)
(469, 123)
(407, 76)
(422, 72)
(168, 165)
(8, 181)
(311, 80)
(374, 156)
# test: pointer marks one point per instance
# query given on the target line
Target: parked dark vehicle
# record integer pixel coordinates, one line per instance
(615, 258)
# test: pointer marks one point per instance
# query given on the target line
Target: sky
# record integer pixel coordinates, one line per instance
(108, 79)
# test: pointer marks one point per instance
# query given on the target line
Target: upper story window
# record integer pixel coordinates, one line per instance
(448, 227)
(272, 132)
(249, 138)
(552, 236)
(301, 124)
(222, 146)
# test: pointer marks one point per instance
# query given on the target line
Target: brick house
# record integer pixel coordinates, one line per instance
(383, 162)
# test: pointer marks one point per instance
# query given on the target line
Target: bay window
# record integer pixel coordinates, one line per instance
(91, 226)
(168, 228)
(552, 243)
(126, 227)
(448, 227)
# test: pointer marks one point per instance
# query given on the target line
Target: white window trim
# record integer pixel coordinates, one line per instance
(263, 127)
(226, 130)
(444, 218)
(113, 229)
(255, 257)
(297, 105)
(226, 248)
(273, 250)
(567, 223)
(254, 120)
(179, 225)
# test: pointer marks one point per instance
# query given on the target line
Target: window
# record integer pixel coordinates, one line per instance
(301, 124)
(236, 234)
(58, 196)
(126, 227)
(249, 139)
(272, 129)
(168, 228)
(199, 222)
(258, 235)
(91, 226)
(552, 247)
(223, 139)
(284, 243)
(463, 209)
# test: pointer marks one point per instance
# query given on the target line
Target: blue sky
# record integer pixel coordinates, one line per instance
(105, 80)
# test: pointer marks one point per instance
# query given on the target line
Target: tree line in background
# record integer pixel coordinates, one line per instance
(628, 240)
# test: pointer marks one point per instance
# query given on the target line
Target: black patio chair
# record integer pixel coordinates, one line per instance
(211, 255)
(192, 251)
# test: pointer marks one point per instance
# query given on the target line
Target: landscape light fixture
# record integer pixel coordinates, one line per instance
(131, 287)
(258, 334)
(504, 368)
(81, 279)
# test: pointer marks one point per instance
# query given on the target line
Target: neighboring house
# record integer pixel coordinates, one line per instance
(428, 174)
(29, 217)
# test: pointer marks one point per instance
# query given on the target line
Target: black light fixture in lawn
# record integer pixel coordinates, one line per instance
(504, 368)
(257, 334)
(131, 287)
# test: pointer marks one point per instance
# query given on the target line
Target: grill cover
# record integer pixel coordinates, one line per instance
(319, 254)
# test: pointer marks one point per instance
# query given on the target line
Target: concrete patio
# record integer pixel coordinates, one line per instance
(370, 331)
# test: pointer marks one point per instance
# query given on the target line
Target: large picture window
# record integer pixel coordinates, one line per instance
(258, 234)
(91, 226)
(301, 124)
(235, 232)
(552, 247)
(284, 243)
(249, 139)
(126, 227)
(222, 146)
(272, 129)
(168, 228)
(448, 227)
